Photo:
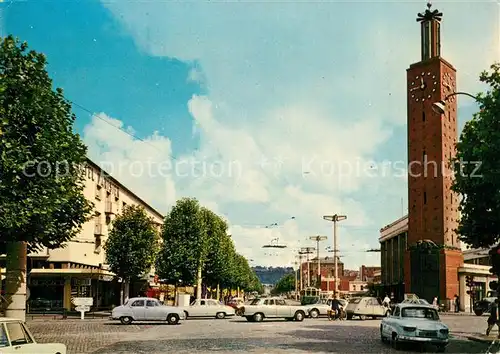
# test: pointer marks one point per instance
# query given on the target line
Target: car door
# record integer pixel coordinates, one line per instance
(282, 309)
(378, 309)
(152, 312)
(269, 308)
(139, 310)
(388, 322)
(212, 308)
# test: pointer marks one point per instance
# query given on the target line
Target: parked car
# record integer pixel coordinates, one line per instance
(15, 337)
(321, 307)
(236, 303)
(273, 307)
(483, 306)
(146, 309)
(208, 308)
(414, 324)
(366, 307)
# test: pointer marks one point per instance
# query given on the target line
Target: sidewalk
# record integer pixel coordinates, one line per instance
(98, 315)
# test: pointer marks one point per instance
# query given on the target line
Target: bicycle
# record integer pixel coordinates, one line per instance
(333, 316)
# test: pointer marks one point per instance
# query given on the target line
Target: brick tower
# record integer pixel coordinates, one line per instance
(433, 208)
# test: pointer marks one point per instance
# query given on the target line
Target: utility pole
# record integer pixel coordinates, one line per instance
(307, 251)
(296, 280)
(335, 219)
(318, 239)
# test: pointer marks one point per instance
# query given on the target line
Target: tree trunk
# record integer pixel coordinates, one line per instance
(218, 292)
(15, 280)
(126, 290)
(175, 295)
(198, 283)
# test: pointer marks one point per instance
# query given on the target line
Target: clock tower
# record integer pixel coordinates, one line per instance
(433, 207)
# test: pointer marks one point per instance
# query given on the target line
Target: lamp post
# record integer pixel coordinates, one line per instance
(440, 106)
(318, 239)
(335, 219)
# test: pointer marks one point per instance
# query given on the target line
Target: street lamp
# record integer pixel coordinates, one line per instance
(318, 239)
(335, 219)
(440, 106)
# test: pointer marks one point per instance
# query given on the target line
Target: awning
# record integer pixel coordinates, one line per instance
(71, 271)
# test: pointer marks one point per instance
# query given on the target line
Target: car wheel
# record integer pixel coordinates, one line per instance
(382, 337)
(173, 319)
(126, 320)
(220, 315)
(299, 316)
(249, 318)
(394, 341)
(441, 348)
(349, 317)
(258, 317)
(478, 312)
(314, 313)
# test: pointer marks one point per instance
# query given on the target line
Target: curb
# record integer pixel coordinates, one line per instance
(482, 339)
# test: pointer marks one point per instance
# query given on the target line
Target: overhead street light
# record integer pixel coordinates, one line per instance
(439, 107)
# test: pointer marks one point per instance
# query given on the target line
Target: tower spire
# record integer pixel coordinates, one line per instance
(430, 22)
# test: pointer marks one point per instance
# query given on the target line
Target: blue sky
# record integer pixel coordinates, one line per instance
(274, 94)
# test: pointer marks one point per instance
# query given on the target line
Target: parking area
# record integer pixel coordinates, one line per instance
(237, 335)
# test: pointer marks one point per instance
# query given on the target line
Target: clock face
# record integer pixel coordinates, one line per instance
(423, 86)
(448, 87)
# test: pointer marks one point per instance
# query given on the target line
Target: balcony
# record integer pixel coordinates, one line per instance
(110, 208)
(98, 229)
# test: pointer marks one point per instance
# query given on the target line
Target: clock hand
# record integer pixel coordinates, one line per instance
(422, 83)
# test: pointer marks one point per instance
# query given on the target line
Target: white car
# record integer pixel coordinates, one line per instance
(366, 307)
(322, 307)
(414, 324)
(15, 337)
(207, 308)
(146, 309)
(272, 307)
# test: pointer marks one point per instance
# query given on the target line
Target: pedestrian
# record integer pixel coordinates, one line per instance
(457, 303)
(435, 302)
(493, 319)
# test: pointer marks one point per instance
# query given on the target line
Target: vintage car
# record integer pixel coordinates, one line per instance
(272, 307)
(208, 308)
(236, 303)
(415, 324)
(483, 306)
(146, 309)
(15, 337)
(366, 307)
(321, 307)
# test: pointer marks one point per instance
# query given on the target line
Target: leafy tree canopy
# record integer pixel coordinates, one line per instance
(41, 159)
(184, 243)
(132, 244)
(285, 284)
(477, 168)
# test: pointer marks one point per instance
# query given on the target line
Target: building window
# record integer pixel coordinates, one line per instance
(98, 192)
(423, 116)
(425, 197)
(97, 244)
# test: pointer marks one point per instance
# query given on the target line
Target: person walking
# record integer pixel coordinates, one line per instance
(493, 319)
(457, 303)
(435, 302)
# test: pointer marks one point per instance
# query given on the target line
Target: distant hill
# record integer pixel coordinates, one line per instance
(271, 275)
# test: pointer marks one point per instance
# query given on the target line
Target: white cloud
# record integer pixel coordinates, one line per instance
(290, 82)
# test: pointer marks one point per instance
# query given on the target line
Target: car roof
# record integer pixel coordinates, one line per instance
(409, 304)
(8, 319)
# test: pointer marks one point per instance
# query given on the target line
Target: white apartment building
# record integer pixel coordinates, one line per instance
(79, 269)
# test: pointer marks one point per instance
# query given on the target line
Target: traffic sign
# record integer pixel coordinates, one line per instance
(83, 308)
(82, 301)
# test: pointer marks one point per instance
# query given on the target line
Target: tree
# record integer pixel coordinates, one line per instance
(41, 187)
(185, 244)
(220, 252)
(132, 246)
(285, 284)
(477, 168)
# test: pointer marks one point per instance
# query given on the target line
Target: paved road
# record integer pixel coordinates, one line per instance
(237, 335)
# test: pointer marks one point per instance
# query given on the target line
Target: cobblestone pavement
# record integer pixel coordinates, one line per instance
(237, 335)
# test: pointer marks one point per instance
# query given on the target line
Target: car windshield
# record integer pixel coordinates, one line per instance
(255, 302)
(355, 300)
(420, 312)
